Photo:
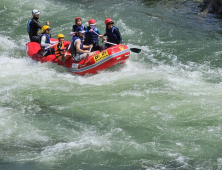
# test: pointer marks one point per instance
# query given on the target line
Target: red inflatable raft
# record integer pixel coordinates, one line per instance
(100, 61)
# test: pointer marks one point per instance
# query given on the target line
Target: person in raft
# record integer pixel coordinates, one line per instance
(77, 47)
(44, 41)
(78, 23)
(91, 35)
(59, 48)
(112, 33)
(33, 26)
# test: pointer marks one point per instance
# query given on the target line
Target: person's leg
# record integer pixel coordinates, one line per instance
(103, 47)
(76, 58)
(95, 46)
(52, 51)
(83, 56)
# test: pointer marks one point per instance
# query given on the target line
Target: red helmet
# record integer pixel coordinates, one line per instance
(92, 22)
(108, 20)
(77, 19)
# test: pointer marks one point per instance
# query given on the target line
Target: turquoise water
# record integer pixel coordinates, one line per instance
(161, 110)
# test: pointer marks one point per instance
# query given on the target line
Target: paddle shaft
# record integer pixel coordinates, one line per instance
(50, 46)
(135, 50)
(46, 49)
(67, 49)
(104, 41)
(90, 49)
(83, 64)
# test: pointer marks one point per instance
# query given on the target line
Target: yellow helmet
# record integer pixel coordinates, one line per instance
(45, 27)
(60, 36)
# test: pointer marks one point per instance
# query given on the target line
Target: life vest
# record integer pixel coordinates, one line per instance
(91, 37)
(28, 26)
(111, 37)
(47, 39)
(73, 47)
(57, 52)
(74, 27)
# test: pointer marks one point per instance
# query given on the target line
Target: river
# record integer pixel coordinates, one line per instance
(161, 110)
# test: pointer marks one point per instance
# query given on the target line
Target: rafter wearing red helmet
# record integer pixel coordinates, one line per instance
(90, 36)
(78, 23)
(112, 33)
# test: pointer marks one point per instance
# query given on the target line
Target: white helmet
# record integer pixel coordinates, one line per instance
(35, 12)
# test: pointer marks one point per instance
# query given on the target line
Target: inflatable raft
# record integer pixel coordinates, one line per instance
(91, 65)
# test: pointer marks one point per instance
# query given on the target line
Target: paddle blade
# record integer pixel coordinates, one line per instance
(135, 50)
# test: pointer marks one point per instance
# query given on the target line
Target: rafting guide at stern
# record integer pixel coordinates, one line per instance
(33, 26)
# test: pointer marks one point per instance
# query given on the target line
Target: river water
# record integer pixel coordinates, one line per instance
(161, 110)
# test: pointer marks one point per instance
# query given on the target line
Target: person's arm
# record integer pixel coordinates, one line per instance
(53, 42)
(43, 40)
(72, 33)
(119, 37)
(104, 39)
(102, 36)
(98, 31)
(77, 44)
(87, 46)
(47, 23)
(36, 24)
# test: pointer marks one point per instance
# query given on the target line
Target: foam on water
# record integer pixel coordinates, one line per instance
(6, 43)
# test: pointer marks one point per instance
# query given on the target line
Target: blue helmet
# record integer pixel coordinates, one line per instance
(80, 30)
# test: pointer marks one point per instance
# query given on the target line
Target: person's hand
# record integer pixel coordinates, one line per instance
(90, 53)
(86, 51)
(72, 34)
(91, 45)
(91, 30)
(47, 23)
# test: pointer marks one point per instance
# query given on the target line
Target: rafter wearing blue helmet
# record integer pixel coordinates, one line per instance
(77, 47)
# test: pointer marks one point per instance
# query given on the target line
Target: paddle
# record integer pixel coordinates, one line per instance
(64, 57)
(84, 63)
(90, 50)
(67, 49)
(43, 54)
(135, 50)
